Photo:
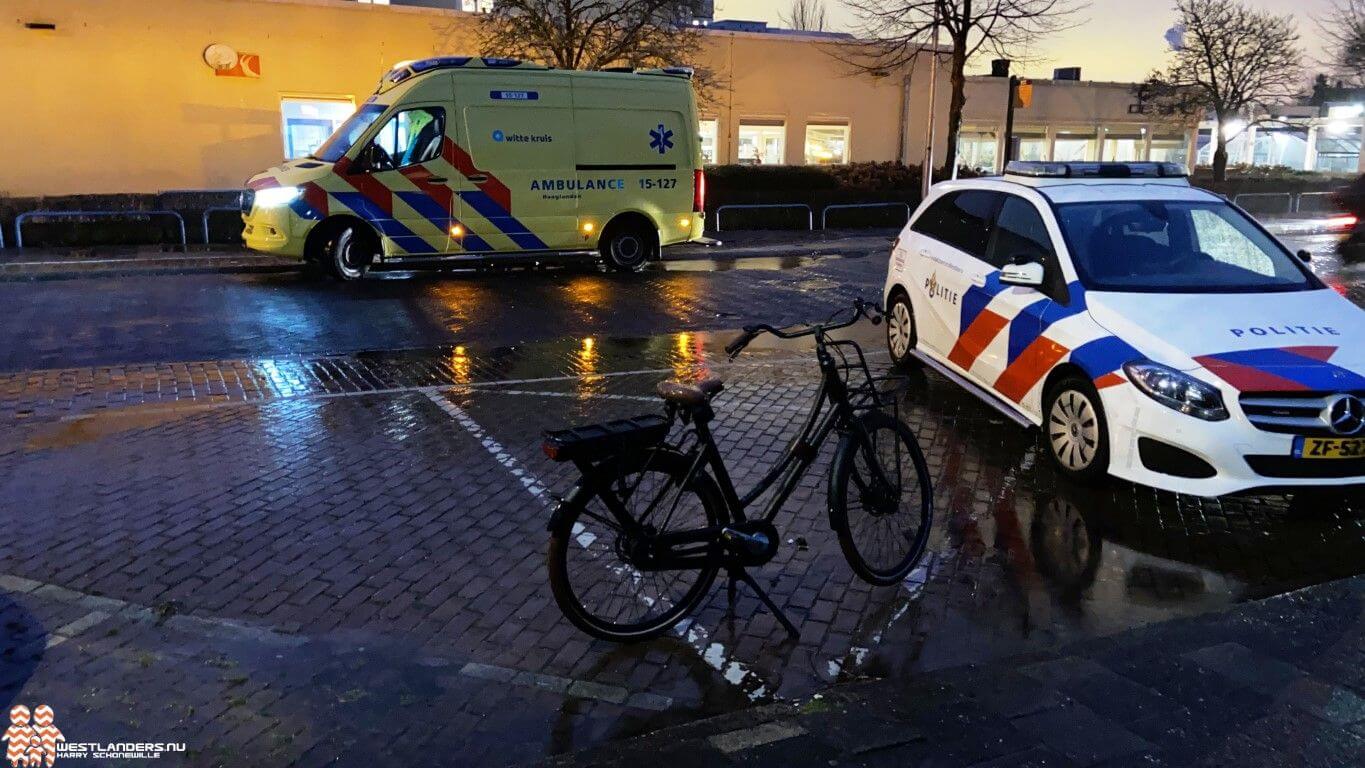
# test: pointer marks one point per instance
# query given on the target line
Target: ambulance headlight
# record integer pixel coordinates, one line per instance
(275, 197)
(1177, 391)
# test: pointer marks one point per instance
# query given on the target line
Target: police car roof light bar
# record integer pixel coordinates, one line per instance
(1045, 170)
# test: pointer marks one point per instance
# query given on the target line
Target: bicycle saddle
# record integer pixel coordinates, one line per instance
(684, 393)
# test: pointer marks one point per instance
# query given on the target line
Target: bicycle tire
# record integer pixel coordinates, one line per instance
(565, 542)
(844, 469)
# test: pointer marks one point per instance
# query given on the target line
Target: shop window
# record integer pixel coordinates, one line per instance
(709, 131)
(1170, 149)
(1031, 147)
(1123, 148)
(762, 142)
(1281, 146)
(306, 123)
(1073, 148)
(826, 144)
(977, 150)
(1338, 149)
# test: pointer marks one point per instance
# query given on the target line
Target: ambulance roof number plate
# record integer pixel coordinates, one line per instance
(514, 95)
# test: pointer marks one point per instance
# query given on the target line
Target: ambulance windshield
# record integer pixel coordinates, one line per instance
(336, 146)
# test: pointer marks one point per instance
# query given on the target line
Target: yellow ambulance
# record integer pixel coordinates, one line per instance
(460, 157)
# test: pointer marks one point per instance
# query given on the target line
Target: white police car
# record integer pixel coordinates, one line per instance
(1153, 330)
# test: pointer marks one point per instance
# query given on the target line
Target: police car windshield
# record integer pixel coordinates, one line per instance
(336, 145)
(1174, 246)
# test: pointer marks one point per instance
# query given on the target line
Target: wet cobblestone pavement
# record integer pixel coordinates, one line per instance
(345, 560)
(317, 557)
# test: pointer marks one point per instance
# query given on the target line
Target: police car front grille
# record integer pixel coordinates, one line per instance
(246, 200)
(1293, 413)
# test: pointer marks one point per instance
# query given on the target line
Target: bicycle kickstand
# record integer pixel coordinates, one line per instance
(737, 573)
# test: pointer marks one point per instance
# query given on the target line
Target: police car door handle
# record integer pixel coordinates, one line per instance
(478, 178)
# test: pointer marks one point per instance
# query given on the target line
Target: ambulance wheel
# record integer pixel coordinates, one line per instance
(1075, 432)
(627, 245)
(901, 336)
(350, 253)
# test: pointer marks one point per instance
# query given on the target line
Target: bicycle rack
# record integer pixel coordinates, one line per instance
(810, 215)
(824, 214)
(217, 209)
(21, 218)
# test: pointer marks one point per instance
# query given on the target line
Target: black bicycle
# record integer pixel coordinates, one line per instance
(637, 543)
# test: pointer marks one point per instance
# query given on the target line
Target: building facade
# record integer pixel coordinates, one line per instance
(147, 96)
(1069, 120)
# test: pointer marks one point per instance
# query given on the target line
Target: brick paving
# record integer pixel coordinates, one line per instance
(341, 558)
(311, 559)
(1271, 683)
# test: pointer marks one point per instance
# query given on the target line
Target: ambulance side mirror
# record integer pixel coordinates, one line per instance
(1305, 255)
(1028, 274)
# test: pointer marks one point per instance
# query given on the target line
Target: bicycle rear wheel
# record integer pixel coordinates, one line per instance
(882, 522)
(594, 581)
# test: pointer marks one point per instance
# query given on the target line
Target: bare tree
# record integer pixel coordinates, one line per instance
(1343, 28)
(804, 15)
(596, 34)
(1231, 59)
(900, 32)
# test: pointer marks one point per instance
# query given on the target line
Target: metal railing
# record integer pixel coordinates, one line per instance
(1316, 202)
(1252, 197)
(218, 209)
(21, 218)
(824, 214)
(810, 215)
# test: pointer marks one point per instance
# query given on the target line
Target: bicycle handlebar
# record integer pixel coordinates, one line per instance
(861, 309)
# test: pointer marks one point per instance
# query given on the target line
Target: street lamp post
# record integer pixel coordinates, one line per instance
(927, 174)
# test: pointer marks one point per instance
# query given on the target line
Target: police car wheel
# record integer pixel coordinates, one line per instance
(350, 254)
(1075, 431)
(626, 248)
(901, 336)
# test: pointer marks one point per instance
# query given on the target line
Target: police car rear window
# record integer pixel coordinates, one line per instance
(1177, 247)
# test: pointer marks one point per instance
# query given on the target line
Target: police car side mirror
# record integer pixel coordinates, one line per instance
(1305, 255)
(1027, 275)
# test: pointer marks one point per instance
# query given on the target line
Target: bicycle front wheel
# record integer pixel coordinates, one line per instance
(882, 518)
(593, 554)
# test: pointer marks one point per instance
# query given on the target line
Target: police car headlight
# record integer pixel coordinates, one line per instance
(1177, 391)
(274, 197)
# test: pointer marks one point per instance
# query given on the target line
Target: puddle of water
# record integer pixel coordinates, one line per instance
(92, 427)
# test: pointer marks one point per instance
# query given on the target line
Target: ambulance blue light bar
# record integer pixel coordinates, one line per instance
(1042, 170)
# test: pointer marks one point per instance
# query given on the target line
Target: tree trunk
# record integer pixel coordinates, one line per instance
(1220, 153)
(956, 100)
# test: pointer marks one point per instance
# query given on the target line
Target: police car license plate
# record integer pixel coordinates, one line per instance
(1329, 448)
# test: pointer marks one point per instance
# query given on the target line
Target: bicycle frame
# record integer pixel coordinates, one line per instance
(839, 413)
(833, 411)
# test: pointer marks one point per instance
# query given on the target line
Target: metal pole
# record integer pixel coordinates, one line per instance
(1009, 123)
(928, 172)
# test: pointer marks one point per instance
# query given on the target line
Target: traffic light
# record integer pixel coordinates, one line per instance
(1023, 94)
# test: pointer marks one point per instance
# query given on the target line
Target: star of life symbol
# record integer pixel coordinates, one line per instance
(661, 139)
(32, 737)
